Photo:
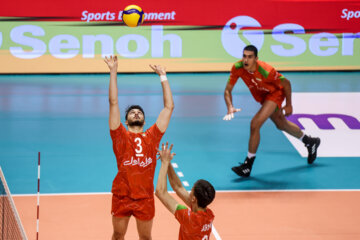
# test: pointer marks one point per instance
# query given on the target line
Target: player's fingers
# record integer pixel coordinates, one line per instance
(167, 145)
(173, 154)
(163, 146)
(171, 146)
(238, 110)
(225, 117)
(232, 115)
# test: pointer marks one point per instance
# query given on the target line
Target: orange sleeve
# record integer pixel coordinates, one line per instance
(233, 76)
(183, 216)
(275, 77)
(118, 137)
(155, 133)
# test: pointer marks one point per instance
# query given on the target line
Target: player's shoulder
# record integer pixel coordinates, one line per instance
(119, 130)
(182, 210)
(265, 66)
(265, 69)
(180, 207)
(210, 213)
(238, 65)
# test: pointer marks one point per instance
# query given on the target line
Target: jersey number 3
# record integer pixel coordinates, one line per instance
(138, 148)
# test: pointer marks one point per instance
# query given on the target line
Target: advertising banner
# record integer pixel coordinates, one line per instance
(198, 36)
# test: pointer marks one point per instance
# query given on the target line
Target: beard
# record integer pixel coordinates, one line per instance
(136, 123)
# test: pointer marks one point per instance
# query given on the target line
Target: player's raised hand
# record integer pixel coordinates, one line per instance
(165, 153)
(112, 62)
(230, 113)
(160, 70)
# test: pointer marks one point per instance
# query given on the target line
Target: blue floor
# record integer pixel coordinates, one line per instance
(65, 117)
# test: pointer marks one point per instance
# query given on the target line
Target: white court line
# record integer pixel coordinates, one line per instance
(217, 191)
(216, 234)
(186, 184)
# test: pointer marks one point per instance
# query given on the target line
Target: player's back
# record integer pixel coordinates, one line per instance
(194, 225)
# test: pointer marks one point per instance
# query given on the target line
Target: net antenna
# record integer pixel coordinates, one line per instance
(10, 224)
(38, 199)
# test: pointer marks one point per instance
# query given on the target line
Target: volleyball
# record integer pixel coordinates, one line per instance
(133, 16)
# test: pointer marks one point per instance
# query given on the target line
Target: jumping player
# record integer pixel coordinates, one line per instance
(135, 152)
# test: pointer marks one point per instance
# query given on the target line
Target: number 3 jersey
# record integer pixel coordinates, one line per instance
(136, 161)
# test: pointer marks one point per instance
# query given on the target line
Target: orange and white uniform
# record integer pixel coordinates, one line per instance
(194, 225)
(264, 83)
(133, 188)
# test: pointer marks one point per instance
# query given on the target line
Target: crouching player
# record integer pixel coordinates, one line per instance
(196, 222)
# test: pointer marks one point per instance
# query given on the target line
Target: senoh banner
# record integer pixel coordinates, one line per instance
(73, 36)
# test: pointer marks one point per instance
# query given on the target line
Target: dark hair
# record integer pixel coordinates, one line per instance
(129, 108)
(204, 192)
(251, 48)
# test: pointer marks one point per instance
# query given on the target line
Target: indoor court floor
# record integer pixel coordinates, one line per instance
(65, 117)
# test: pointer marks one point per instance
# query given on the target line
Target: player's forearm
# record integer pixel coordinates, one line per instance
(167, 95)
(113, 90)
(228, 98)
(161, 186)
(174, 179)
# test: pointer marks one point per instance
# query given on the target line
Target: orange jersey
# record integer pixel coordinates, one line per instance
(136, 161)
(265, 80)
(194, 225)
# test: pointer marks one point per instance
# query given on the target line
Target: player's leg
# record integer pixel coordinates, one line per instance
(283, 124)
(121, 212)
(144, 212)
(266, 110)
(144, 229)
(120, 225)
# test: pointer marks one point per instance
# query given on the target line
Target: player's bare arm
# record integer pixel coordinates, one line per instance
(161, 186)
(288, 109)
(228, 100)
(164, 117)
(178, 187)
(114, 113)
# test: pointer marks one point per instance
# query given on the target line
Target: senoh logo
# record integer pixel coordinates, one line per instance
(285, 45)
(66, 46)
(349, 14)
(230, 35)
